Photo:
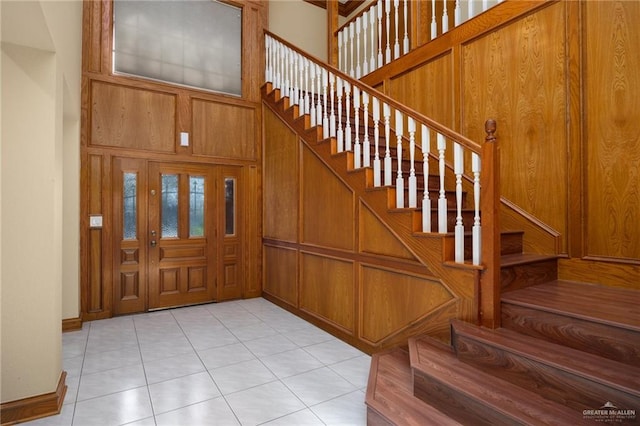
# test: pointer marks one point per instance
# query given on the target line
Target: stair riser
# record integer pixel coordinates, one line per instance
(467, 220)
(511, 243)
(456, 404)
(525, 275)
(508, 243)
(608, 341)
(554, 383)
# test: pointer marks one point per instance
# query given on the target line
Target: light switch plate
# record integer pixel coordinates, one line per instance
(184, 139)
(95, 221)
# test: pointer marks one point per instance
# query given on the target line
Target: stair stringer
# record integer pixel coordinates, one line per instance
(429, 249)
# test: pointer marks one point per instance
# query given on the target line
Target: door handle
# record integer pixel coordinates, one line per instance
(153, 243)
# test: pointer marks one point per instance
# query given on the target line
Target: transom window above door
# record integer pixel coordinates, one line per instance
(195, 43)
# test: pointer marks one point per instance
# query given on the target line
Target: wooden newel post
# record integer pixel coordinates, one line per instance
(490, 210)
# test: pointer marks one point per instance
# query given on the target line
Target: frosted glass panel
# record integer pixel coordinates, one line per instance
(196, 206)
(169, 206)
(191, 42)
(230, 206)
(129, 202)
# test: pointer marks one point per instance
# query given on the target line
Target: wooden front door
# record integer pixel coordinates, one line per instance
(176, 234)
(181, 235)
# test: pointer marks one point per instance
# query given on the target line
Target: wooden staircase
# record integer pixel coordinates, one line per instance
(565, 354)
(565, 349)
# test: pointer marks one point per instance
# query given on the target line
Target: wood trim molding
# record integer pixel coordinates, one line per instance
(71, 324)
(34, 407)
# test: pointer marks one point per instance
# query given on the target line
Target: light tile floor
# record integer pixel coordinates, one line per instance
(245, 362)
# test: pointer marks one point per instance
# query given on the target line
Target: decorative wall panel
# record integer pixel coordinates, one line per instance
(281, 274)
(327, 206)
(612, 84)
(124, 117)
(280, 181)
(517, 75)
(433, 80)
(327, 290)
(376, 238)
(393, 300)
(223, 130)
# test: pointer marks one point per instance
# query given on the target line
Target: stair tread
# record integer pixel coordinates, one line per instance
(593, 367)
(498, 394)
(390, 392)
(523, 258)
(609, 305)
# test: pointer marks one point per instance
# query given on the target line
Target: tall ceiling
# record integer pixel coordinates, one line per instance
(345, 7)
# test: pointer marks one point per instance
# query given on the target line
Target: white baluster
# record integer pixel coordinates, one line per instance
(471, 12)
(457, 14)
(313, 115)
(325, 116)
(476, 235)
(380, 60)
(301, 94)
(357, 58)
(332, 117)
(387, 135)
(341, 66)
(442, 199)
(347, 128)
(268, 71)
(366, 145)
(319, 98)
(445, 18)
(434, 24)
(295, 87)
(426, 202)
(280, 59)
(357, 154)
(458, 169)
(285, 70)
(340, 133)
(372, 24)
(396, 44)
(352, 33)
(405, 42)
(376, 139)
(306, 86)
(485, 5)
(387, 11)
(365, 56)
(399, 179)
(345, 51)
(288, 81)
(413, 184)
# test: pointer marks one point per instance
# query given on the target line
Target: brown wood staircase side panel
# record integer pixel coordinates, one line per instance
(462, 282)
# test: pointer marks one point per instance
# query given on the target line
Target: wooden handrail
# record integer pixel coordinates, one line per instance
(447, 132)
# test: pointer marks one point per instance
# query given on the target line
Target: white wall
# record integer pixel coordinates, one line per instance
(40, 72)
(301, 24)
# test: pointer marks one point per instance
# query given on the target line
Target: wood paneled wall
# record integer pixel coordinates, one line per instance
(561, 80)
(131, 117)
